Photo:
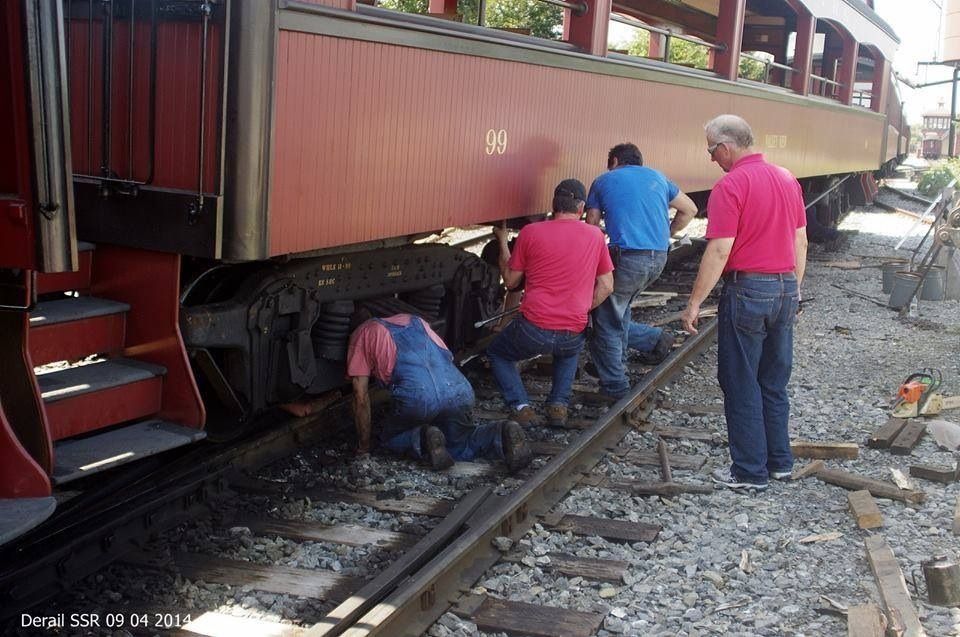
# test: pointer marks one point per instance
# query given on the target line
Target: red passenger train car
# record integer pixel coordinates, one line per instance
(199, 194)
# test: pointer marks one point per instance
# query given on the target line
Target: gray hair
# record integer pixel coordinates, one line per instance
(730, 129)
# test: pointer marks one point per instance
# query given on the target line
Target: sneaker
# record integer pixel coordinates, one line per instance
(660, 351)
(781, 475)
(556, 415)
(516, 451)
(434, 447)
(524, 415)
(727, 479)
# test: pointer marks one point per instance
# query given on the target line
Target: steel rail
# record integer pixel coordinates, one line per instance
(415, 604)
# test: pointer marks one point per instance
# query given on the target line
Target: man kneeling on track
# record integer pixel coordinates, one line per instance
(568, 272)
(430, 415)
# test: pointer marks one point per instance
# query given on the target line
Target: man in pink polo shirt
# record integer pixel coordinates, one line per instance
(568, 272)
(757, 242)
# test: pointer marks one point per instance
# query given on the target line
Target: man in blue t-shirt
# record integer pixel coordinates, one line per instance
(634, 202)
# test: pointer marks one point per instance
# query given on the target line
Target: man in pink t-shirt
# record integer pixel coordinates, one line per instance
(568, 272)
(431, 401)
(757, 242)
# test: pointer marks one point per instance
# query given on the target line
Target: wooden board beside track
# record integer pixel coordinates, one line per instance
(585, 567)
(614, 530)
(518, 618)
(898, 606)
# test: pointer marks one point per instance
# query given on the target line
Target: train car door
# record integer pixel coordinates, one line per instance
(37, 232)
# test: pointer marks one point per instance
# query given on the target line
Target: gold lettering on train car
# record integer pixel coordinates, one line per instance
(335, 267)
(496, 141)
(395, 271)
(322, 283)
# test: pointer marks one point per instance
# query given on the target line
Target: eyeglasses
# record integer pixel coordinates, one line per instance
(712, 149)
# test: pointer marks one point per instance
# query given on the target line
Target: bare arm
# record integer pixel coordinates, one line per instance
(593, 216)
(800, 248)
(511, 278)
(711, 268)
(602, 288)
(686, 211)
(361, 412)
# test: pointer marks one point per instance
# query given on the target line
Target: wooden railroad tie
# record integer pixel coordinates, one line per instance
(494, 615)
(412, 503)
(818, 449)
(809, 469)
(883, 437)
(877, 488)
(946, 475)
(613, 530)
(864, 509)
(269, 578)
(908, 438)
(573, 566)
(898, 608)
(345, 534)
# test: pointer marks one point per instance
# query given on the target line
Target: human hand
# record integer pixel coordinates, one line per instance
(690, 316)
(501, 232)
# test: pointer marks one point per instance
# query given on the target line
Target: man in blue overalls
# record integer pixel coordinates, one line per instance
(430, 416)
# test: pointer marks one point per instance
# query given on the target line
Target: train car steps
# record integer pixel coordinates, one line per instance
(74, 327)
(19, 515)
(88, 397)
(78, 458)
(67, 281)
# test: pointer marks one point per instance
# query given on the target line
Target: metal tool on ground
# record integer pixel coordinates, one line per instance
(667, 487)
(918, 396)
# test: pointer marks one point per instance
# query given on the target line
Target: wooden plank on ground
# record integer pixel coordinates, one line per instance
(585, 567)
(908, 438)
(613, 530)
(820, 449)
(877, 488)
(269, 578)
(542, 448)
(465, 469)
(897, 605)
(346, 534)
(936, 473)
(865, 621)
(648, 457)
(518, 618)
(883, 437)
(865, 511)
(694, 410)
(809, 469)
(689, 433)
(412, 503)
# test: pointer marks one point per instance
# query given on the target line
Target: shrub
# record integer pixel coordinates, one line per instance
(936, 179)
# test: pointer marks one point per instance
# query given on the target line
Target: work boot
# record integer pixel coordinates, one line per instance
(433, 445)
(524, 415)
(660, 351)
(516, 451)
(556, 415)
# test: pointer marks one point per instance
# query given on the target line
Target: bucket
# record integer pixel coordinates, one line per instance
(888, 269)
(933, 284)
(942, 577)
(903, 285)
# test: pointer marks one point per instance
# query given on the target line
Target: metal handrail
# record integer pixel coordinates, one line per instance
(777, 65)
(633, 22)
(578, 8)
(825, 80)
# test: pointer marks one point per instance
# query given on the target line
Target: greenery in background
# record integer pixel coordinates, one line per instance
(690, 54)
(538, 18)
(937, 178)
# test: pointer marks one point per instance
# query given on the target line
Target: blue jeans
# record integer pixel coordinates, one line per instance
(642, 337)
(635, 271)
(465, 440)
(755, 356)
(521, 340)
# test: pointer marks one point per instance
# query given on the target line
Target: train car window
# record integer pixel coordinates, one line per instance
(521, 17)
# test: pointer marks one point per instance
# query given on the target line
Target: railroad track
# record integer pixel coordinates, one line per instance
(897, 200)
(406, 596)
